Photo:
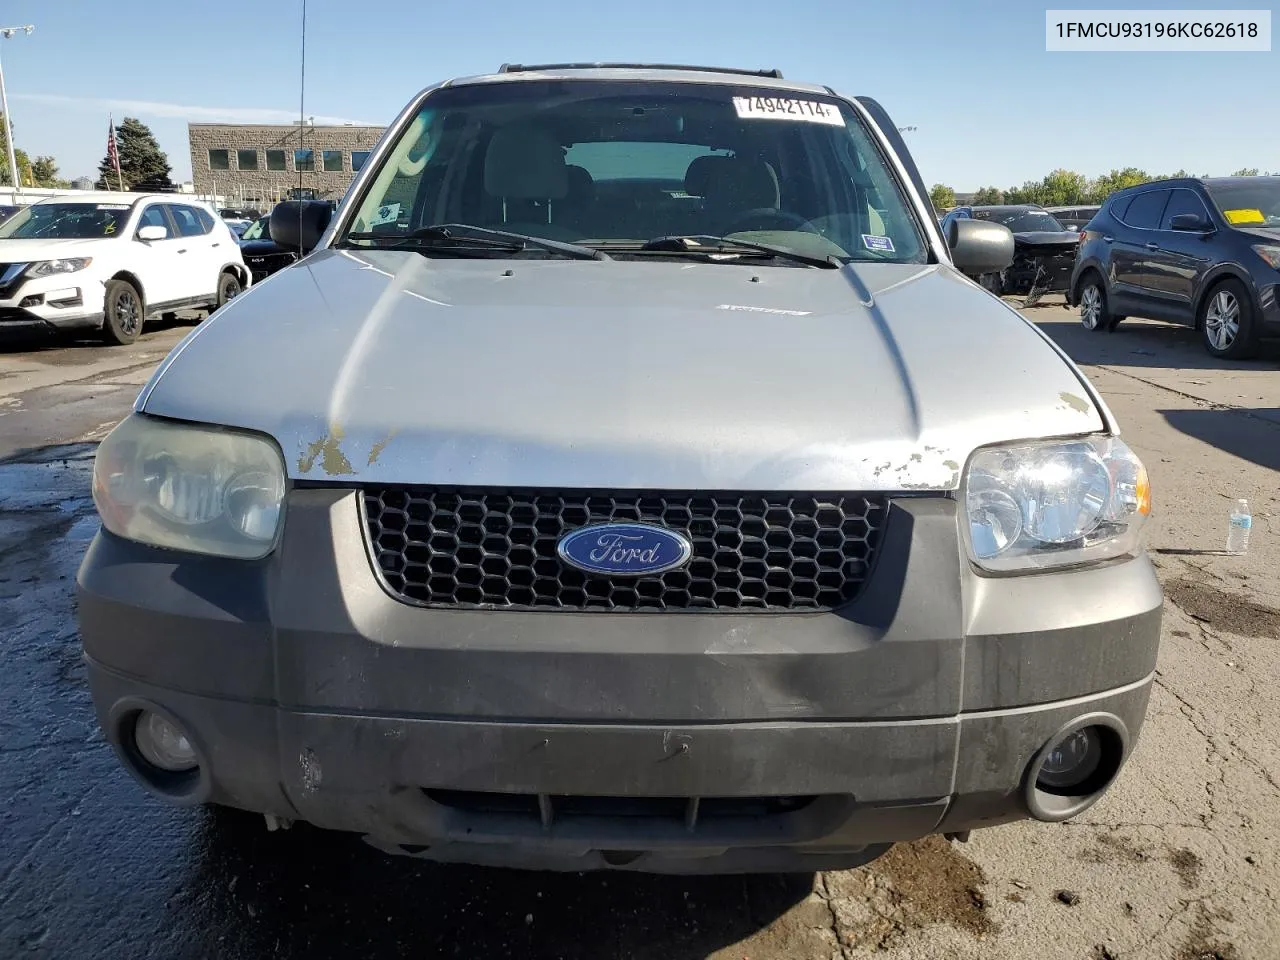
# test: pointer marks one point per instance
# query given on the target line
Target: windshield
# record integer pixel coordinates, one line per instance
(614, 164)
(1025, 221)
(257, 230)
(1253, 201)
(66, 221)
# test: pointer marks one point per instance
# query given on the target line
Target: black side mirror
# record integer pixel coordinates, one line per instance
(1190, 222)
(979, 246)
(298, 224)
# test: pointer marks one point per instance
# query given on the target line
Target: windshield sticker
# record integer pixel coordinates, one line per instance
(113, 206)
(881, 244)
(1244, 216)
(389, 213)
(780, 108)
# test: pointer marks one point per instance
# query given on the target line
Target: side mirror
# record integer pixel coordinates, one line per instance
(299, 223)
(979, 246)
(152, 232)
(1190, 222)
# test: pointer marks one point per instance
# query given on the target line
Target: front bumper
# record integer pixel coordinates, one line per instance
(662, 742)
(63, 302)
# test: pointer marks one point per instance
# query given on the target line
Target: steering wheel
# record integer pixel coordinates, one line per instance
(766, 218)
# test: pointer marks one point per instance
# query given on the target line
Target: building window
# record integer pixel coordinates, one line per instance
(333, 161)
(219, 160)
(304, 159)
(358, 158)
(247, 159)
(275, 160)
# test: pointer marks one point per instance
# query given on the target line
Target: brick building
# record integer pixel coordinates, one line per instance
(258, 164)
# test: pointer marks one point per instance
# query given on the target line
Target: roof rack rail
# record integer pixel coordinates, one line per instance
(525, 67)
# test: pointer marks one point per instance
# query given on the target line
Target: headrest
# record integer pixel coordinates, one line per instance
(581, 184)
(525, 163)
(699, 174)
(743, 183)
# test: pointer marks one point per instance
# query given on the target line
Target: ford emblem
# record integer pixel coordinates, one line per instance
(625, 549)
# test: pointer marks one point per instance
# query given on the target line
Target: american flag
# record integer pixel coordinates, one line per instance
(113, 154)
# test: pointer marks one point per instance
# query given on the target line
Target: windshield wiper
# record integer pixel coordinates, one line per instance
(441, 235)
(705, 243)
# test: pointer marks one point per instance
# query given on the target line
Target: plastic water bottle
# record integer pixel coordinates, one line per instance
(1238, 530)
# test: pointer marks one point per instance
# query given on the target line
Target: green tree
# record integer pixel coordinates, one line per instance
(44, 171)
(1029, 192)
(1108, 183)
(1246, 172)
(143, 164)
(1064, 188)
(988, 196)
(943, 197)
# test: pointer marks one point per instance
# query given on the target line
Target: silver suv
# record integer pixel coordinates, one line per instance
(627, 478)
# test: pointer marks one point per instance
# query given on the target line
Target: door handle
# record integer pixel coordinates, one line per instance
(1108, 239)
(217, 244)
(1153, 246)
(182, 250)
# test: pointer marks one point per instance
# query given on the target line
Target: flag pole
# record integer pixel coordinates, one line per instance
(115, 150)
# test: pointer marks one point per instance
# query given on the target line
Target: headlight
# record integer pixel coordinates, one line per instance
(1269, 252)
(199, 489)
(49, 268)
(1035, 505)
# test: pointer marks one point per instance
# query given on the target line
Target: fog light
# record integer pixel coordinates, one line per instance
(32, 301)
(1072, 761)
(163, 744)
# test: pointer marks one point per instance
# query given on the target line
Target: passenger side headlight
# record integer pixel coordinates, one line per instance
(49, 268)
(194, 488)
(1269, 252)
(1054, 503)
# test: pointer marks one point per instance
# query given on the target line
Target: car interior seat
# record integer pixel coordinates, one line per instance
(524, 168)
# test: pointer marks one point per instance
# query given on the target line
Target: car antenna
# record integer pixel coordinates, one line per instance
(302, 117)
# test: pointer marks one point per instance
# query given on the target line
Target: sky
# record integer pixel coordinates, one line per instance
(990, 105)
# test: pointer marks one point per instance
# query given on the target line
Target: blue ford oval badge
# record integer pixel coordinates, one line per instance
(625, 549)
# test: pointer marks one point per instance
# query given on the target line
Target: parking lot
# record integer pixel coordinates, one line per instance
(1180, 861)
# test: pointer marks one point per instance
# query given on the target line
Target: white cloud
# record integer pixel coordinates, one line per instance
(179, 111)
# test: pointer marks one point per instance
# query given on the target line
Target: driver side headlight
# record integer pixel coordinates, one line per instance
(49, 268)
(200, 489)
(1054, 503)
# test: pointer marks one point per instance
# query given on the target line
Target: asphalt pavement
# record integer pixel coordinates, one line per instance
(1180, 861)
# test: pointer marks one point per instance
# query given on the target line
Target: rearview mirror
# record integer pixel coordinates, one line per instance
(298, 224)
(979, 246)
(152, 232)
(1191, 222)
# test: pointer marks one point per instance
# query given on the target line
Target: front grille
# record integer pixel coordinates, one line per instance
(497, 548)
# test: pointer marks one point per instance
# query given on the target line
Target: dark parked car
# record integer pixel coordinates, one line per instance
(1043, 249)
(7, 211)
(1204, 252)
(262, 255)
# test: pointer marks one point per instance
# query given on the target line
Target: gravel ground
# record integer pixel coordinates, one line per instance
(1180, 861)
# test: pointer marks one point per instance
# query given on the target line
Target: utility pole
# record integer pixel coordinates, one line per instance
(7, 33)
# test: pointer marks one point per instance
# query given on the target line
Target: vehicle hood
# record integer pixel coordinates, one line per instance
(1264, 234)
(24, 251)
(392, 367)
(1047, 238)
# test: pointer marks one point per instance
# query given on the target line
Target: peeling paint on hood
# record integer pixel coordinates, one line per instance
(391, 367)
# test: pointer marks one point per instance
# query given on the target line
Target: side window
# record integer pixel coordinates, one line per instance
(206, 219)
(1182, 201)
(187, 221)
(1147, 209)
(154, 216)
(1120, 207)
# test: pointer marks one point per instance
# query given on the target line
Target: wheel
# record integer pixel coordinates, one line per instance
(1226, 322)
(1094, 313)
(228, 288)
(122, 313)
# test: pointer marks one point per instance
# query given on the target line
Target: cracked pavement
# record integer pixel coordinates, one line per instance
(1180, 861)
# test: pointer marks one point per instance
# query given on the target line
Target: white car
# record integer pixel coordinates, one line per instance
(107, 261)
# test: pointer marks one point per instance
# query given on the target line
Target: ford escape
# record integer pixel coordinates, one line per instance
(626, 478)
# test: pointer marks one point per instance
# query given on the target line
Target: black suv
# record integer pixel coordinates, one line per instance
(1204, 252)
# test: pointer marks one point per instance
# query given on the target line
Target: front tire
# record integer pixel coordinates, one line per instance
(1095, 313)
(123, 313)
(1226, 322)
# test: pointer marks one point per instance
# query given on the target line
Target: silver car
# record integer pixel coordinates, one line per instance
(627, 479)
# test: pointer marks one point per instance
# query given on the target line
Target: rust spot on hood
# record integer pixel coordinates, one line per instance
(328, 450)
(376, 450)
